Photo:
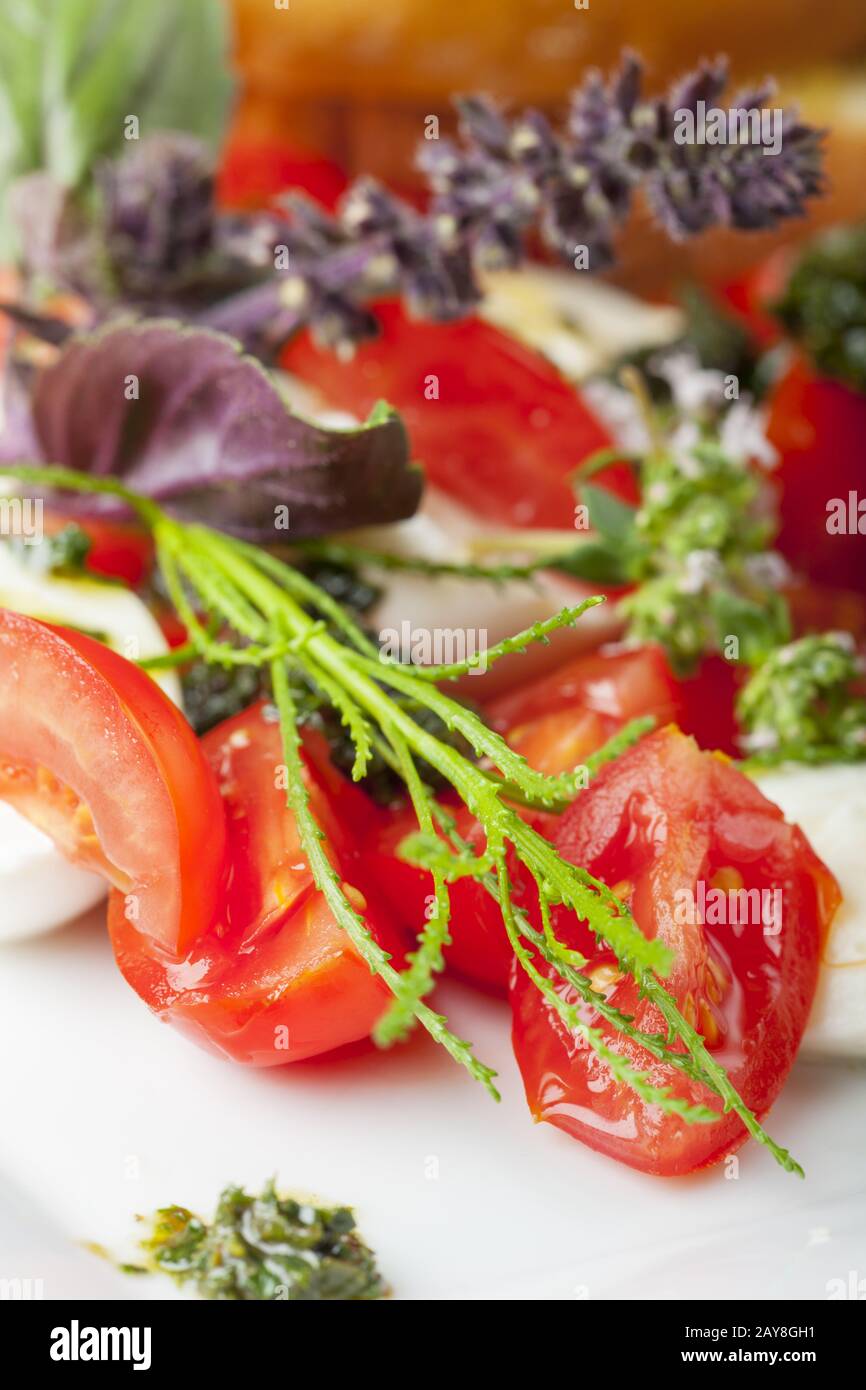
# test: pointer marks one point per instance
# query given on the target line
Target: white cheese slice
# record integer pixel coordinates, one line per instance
(829, 805)
(39, 889)
(583, 325)
(106, 610)
(475, 612)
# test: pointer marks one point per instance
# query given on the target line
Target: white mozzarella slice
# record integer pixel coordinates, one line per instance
(478, 613)
(581, 324)
(39, 889)
(829, 805)
(108, 611)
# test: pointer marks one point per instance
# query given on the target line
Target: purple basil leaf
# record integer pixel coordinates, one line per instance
(209, 434)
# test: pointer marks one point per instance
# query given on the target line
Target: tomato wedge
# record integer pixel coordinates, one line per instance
(95, 754)
(479, 949)
(556, 722)
(276, 980)
(494, 424)
(710, 866)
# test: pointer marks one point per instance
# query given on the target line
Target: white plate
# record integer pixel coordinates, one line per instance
(106, 1112)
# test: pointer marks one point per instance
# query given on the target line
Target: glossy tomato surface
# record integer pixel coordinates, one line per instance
(556, 722)
(479, 949)
(97, 756)
(663, 826)
(493, 423)
(277, 980)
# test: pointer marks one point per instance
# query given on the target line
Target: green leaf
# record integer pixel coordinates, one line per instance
(72, 71)
(759, 627)
(608, 514)
(598, 560)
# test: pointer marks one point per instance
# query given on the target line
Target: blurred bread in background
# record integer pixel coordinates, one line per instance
(353, 81)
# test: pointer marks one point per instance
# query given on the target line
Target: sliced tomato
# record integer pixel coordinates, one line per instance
(707, 701)
(97, 756)
(664, 826)
(820, 608)
(556, 723)
(493, 423)
(277, 979)
(479, 949)
(819, 429)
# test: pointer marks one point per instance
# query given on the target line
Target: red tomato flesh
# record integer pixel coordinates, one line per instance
(95, 754)
(819, 429)
(655, 825)
(277, 980)
(503, 429)
(556, 723)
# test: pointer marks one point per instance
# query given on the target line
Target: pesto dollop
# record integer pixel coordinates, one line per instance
(265, 1247)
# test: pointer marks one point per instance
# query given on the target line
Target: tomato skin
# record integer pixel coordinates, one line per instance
(479, 949)
(99, 757)
(555, 722)
(615, 683)
(819, 428)
(504, 431)
(118, 550)
(663, 817)
(277, 981)
(707, 702)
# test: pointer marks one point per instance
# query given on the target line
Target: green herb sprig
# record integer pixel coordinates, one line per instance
(217, 581)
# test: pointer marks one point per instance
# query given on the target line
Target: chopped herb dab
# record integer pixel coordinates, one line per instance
(264, 1247)
(216, 580)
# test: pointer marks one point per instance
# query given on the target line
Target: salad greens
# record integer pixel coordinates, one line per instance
(218, 582)
(64, 553)
(264, 1247)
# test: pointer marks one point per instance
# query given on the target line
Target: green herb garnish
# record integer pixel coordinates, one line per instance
(800, 704)
(824, 304)
(265, 1247)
